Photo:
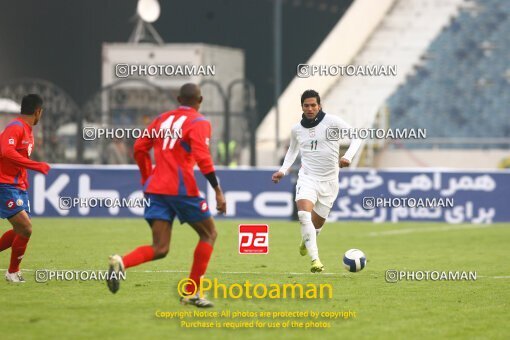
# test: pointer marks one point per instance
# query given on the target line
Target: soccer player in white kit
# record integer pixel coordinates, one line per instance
(317, 138)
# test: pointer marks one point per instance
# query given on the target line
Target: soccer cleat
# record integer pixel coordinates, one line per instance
(317, 266)
(302, 248)
(196, 300)
(116, 266)
(14, 277)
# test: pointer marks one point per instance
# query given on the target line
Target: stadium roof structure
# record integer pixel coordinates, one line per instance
(9, 106)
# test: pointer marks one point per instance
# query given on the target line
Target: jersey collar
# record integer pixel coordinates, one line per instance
(310, 123)
(19, 119)
(184, 107)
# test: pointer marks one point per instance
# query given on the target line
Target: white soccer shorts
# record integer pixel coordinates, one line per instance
(322, 194)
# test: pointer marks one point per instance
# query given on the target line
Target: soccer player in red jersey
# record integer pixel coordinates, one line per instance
(16, 143)
(172, 189)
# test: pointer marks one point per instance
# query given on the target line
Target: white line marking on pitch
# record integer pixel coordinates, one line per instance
(184, 271)
(234, 273)
(432, 229)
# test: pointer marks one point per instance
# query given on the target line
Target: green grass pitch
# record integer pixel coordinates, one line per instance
(403, 310)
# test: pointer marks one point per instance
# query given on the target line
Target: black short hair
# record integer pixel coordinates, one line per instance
(190, 94)
(30, 103)
(310, 94)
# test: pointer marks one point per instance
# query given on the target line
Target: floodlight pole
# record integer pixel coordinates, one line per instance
(251, 105)
(226, 107)
(277, 63)
(144, 30)
(226, 96)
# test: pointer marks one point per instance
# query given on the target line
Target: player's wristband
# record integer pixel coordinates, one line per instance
(211, 178)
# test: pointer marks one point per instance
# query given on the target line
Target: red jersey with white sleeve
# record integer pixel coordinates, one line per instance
(16, 144)
(175, 157)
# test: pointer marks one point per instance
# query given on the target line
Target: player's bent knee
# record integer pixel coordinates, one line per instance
(28, 232)
(160, 254)
(209, 236)
(161, 251)
(214, 235)
(206, 230)
(23, 230)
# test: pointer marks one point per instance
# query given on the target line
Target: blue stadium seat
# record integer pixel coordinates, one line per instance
(461, 90)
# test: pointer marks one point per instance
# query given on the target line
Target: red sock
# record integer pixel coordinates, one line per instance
(19, 245)
(139, 255)
(201, 258)
(6, 239)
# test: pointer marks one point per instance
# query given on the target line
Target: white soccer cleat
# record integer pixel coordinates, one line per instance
(14, 277)
(317, 266)
(116, 267)
(196, 300)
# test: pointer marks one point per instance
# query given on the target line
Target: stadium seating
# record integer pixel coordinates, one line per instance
(462, 87)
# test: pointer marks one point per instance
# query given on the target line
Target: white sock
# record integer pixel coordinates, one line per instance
(318, 231)
(308, 234)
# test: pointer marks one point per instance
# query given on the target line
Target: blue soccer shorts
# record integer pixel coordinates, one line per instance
(12, 201)
(186, 208)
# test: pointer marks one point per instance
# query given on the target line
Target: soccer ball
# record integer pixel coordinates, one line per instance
(354, 260)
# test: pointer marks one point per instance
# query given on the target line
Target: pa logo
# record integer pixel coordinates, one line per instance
(253, 239)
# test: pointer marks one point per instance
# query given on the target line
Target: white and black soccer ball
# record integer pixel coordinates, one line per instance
(354, 260)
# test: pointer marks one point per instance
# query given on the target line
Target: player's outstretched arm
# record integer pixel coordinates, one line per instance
(8, 151)
(199, 138)
(290, 157)
(221, 203)
(142, 156)
(354, 146)
(346, 160)
(277, 176)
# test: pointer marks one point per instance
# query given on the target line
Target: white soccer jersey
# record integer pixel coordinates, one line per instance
(320, 148)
